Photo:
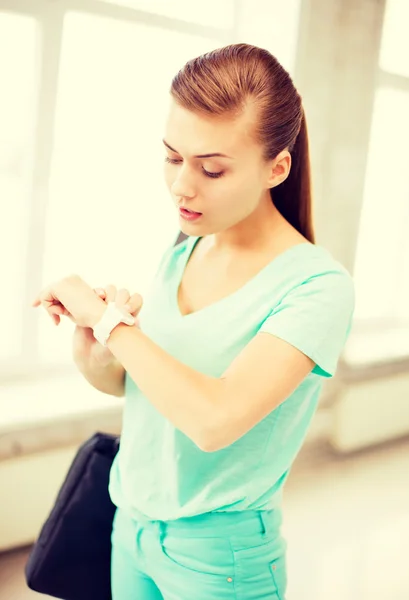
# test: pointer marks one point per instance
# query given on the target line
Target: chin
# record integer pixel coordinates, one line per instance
(192, 228)
(200, 228)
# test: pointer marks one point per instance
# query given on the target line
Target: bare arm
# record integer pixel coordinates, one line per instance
(213, 412)
(108, 378)
(97, 363)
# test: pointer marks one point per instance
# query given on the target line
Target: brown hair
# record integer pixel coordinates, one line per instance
(223, 81)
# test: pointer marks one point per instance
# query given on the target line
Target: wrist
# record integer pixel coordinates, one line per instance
(112, 318)
(96, 312)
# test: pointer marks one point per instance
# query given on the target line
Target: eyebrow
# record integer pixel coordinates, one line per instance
(219, 154)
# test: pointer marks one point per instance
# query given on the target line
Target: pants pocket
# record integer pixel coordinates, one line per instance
(205, 556)
(260, 571)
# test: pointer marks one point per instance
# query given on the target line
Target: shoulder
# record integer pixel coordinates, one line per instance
(175, 254)
(181, 249)
(316, 311)
(317, 285)
(314, 271)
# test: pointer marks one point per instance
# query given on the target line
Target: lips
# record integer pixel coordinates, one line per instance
(189, 215)
(188, 210)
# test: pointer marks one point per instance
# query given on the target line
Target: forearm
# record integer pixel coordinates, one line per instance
(187, 398)
(109, 379)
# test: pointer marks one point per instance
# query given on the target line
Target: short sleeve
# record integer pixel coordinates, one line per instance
(316, 317)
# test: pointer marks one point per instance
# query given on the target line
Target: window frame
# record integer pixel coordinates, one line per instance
(384, 80)
(50, 18)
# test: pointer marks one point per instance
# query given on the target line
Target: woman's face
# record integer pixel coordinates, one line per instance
(214, 167)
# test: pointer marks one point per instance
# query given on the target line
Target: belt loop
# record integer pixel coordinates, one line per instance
(138, 537)
(162, 531)
(267, 520)
(262, 522)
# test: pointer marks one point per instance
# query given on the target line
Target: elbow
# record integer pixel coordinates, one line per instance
(208, 445)
(215, 443)
(215, 438)
(217, 430)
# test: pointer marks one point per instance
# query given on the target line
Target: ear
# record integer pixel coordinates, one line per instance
(279, 169)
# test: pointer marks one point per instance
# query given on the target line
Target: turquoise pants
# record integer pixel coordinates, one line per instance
(215, 556)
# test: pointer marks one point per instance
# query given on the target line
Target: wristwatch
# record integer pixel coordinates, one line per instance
(112, 317)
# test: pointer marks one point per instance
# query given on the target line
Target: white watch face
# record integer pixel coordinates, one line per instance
(122, 314)
(109, 320)
(129, 319)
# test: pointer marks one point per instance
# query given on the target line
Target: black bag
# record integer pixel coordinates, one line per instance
(71, 558)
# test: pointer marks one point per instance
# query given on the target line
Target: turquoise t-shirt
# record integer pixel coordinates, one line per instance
(304, 297)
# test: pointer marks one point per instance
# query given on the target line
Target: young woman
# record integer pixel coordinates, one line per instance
(244, 321)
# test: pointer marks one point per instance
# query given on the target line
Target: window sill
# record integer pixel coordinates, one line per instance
(375, 352)
(52, 413)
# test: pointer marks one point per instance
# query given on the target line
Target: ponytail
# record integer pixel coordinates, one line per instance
(293, 197)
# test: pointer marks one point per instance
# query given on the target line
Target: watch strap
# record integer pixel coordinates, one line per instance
(112, 317)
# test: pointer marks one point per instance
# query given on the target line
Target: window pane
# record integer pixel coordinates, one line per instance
(18, 42)
(212, 13)
(381, 270)
(258, 24)
(395, 40)
(110, 216)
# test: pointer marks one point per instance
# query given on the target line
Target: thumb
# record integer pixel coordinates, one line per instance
(134, 304)
(101, 293)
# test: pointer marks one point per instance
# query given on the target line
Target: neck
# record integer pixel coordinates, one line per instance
(263, 227)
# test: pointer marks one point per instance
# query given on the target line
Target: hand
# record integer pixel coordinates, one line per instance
(73, 298)
(85, 346)
(123, 299)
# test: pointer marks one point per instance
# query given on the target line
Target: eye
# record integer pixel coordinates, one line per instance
(177, 161)
(212, 175)
(172, 161)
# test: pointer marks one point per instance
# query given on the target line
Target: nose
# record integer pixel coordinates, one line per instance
(183, 185)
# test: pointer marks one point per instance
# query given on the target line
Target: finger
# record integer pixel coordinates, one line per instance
(56, 309)
(100, 292)
(122, 297)
(110, 291)
(135, 304)
(56, 319)
(45, 298)
(55, 312)
(64, 312)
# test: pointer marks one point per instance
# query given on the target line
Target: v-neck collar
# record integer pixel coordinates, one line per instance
(191, 243)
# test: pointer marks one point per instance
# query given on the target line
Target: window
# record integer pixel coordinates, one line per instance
(19, 36)
(381, 269)
(103, 102)
(209, 13)
(271, 25)
(110, 216)
(395, 41)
